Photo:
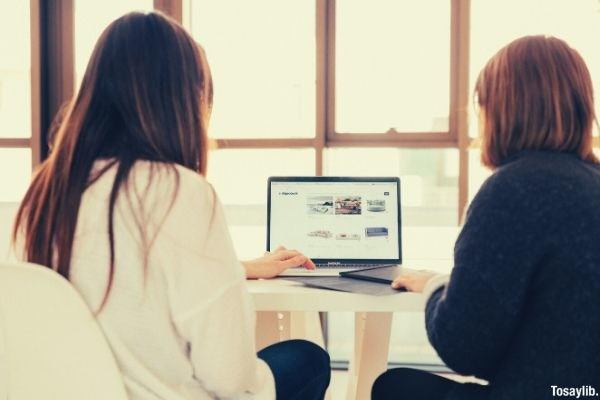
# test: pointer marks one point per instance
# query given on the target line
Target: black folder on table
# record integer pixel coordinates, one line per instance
(377, 274)
(341, 284)
(377, 286)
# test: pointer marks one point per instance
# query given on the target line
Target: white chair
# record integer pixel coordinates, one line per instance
(50, 344)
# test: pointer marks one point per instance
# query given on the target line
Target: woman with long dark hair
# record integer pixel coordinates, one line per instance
(521, 308)
(121, 208)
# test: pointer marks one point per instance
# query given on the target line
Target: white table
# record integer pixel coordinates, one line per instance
(373, 322)
(289, 310)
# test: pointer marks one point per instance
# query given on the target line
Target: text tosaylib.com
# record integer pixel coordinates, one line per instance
(574, 392)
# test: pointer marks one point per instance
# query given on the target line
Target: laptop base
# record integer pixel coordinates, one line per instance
(329, 270)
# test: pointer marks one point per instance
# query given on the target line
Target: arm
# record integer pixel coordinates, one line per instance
(221, 340)
(210, 306)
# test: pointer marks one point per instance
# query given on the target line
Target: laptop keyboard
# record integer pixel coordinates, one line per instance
(352, 265)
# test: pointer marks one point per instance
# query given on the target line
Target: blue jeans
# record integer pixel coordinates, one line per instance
(413, 384)
(410, 384)
(301, 369)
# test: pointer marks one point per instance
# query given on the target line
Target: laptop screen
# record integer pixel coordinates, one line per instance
(348, 219)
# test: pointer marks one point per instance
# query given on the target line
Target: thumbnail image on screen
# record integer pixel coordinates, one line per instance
(319, 205)
(348, 205)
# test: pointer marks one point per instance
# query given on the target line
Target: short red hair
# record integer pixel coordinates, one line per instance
(536, 93)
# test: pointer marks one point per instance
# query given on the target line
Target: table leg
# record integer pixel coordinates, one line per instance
(371, 346)
(271, 327)
(306, 325)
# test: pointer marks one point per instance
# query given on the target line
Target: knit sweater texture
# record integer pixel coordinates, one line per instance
(522, 307)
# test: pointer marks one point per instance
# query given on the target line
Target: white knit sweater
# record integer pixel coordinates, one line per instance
(179, 318)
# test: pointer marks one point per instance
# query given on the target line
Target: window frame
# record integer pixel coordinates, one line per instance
(443, 139)
(33, 141)
(53, 75)
(53, 83)
(326, 135)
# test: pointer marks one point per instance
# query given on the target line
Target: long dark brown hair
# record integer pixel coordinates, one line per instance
(146, 95)
(536, 93)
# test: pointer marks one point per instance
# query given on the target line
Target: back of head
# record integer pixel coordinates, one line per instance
(536, 94)
(146, 95)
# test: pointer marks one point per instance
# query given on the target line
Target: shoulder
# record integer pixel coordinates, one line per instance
(550, 173)
(534, 172)
(159, 181)
(538, 183)
(513, 189)
(179, 205)
(170, 173)
(170, 199)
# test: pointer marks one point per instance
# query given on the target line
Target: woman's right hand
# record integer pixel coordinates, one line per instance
(275, 262)
(413, 281)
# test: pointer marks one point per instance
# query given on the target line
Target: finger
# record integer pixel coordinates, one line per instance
(279, 248)
(309, 264)
(399, 282)
(287, 254)
(293, 262)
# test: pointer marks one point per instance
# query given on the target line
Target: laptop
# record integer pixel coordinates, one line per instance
(341, 223)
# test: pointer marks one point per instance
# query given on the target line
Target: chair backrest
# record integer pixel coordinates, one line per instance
(50, 344)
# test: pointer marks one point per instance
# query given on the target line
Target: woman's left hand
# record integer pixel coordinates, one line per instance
(275, 262)
(413, 281)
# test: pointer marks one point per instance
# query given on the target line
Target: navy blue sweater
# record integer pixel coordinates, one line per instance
(522, 308)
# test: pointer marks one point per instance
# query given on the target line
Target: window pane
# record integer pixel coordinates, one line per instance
(429, 178)
(15, 87)
(15, 173)
(577, 22)
(91, 17)
(477, 172)
(392, 65)
(262, 57)
(429, 195)
(408, 341)
(240, 178)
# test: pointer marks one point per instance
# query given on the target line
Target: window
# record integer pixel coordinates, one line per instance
(91, 17)
(240, 177)
(249, 60)
(477, 172)
(392, 66)
(576, 22)
(15, 100)
(429, 178)
(15, 173)
(262, 57)
(408, 340)
(15, 82)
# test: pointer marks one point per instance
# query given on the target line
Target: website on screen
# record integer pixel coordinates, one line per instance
(336, 220)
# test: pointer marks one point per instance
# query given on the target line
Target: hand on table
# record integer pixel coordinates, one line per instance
(275, 262)
(413, 280)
